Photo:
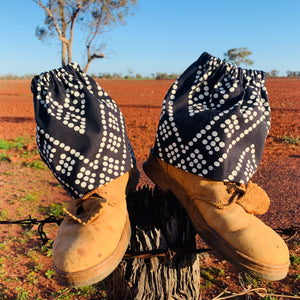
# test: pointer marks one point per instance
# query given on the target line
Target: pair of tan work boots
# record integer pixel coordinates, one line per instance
(95, 233)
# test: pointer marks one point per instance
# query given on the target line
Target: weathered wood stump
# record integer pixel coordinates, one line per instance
(160, 262)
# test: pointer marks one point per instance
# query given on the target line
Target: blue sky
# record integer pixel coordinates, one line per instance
(162, 36)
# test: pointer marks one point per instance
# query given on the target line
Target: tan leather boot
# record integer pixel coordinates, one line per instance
(94, 234)
(222, 215)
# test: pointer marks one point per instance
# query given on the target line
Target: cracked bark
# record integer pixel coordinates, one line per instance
(160, 224)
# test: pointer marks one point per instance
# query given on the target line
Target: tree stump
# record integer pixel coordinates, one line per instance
(160, 263)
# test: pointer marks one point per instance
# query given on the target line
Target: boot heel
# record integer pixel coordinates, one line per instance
(156, 173)
(133, 180)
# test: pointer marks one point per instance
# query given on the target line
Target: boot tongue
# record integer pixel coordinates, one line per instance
(255, 200)
(86, 210)
(252, 198)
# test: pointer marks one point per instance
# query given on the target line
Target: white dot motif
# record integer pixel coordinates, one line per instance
(71, 111)
(211, 113)
(103, 153)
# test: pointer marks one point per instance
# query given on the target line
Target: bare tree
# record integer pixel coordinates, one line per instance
(274, 73)
(238, 56)
(94, 16)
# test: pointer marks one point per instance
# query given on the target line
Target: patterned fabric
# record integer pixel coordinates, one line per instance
(214, 121)
(80, 130)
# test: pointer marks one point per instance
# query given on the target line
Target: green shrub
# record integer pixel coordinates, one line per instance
(4, 157)
(291, 140)
(54, 209)
(4, 145)
(37, 164)
(17, 143)
(295, 260)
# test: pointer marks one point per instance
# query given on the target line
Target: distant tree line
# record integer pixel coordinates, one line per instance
(272, 73)
(131, 76)
(293, 73)
(137, 76)
(275, 73)
(12, 76)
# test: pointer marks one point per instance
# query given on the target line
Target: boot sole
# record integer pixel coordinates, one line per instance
(100, 271)
(259, 269)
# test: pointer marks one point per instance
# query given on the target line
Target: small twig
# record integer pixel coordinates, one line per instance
(242, 283)
(291, 232)
(277, 295)
(223, 292)
(234, 295)
(261, 292)
(63, 293)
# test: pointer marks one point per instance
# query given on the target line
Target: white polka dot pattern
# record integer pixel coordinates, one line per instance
(214, 121)
(81, 132)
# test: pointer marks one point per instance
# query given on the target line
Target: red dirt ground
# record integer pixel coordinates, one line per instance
(140, 102)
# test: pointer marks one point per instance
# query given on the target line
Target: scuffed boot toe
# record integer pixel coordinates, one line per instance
(94, 235)
(245, 241)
